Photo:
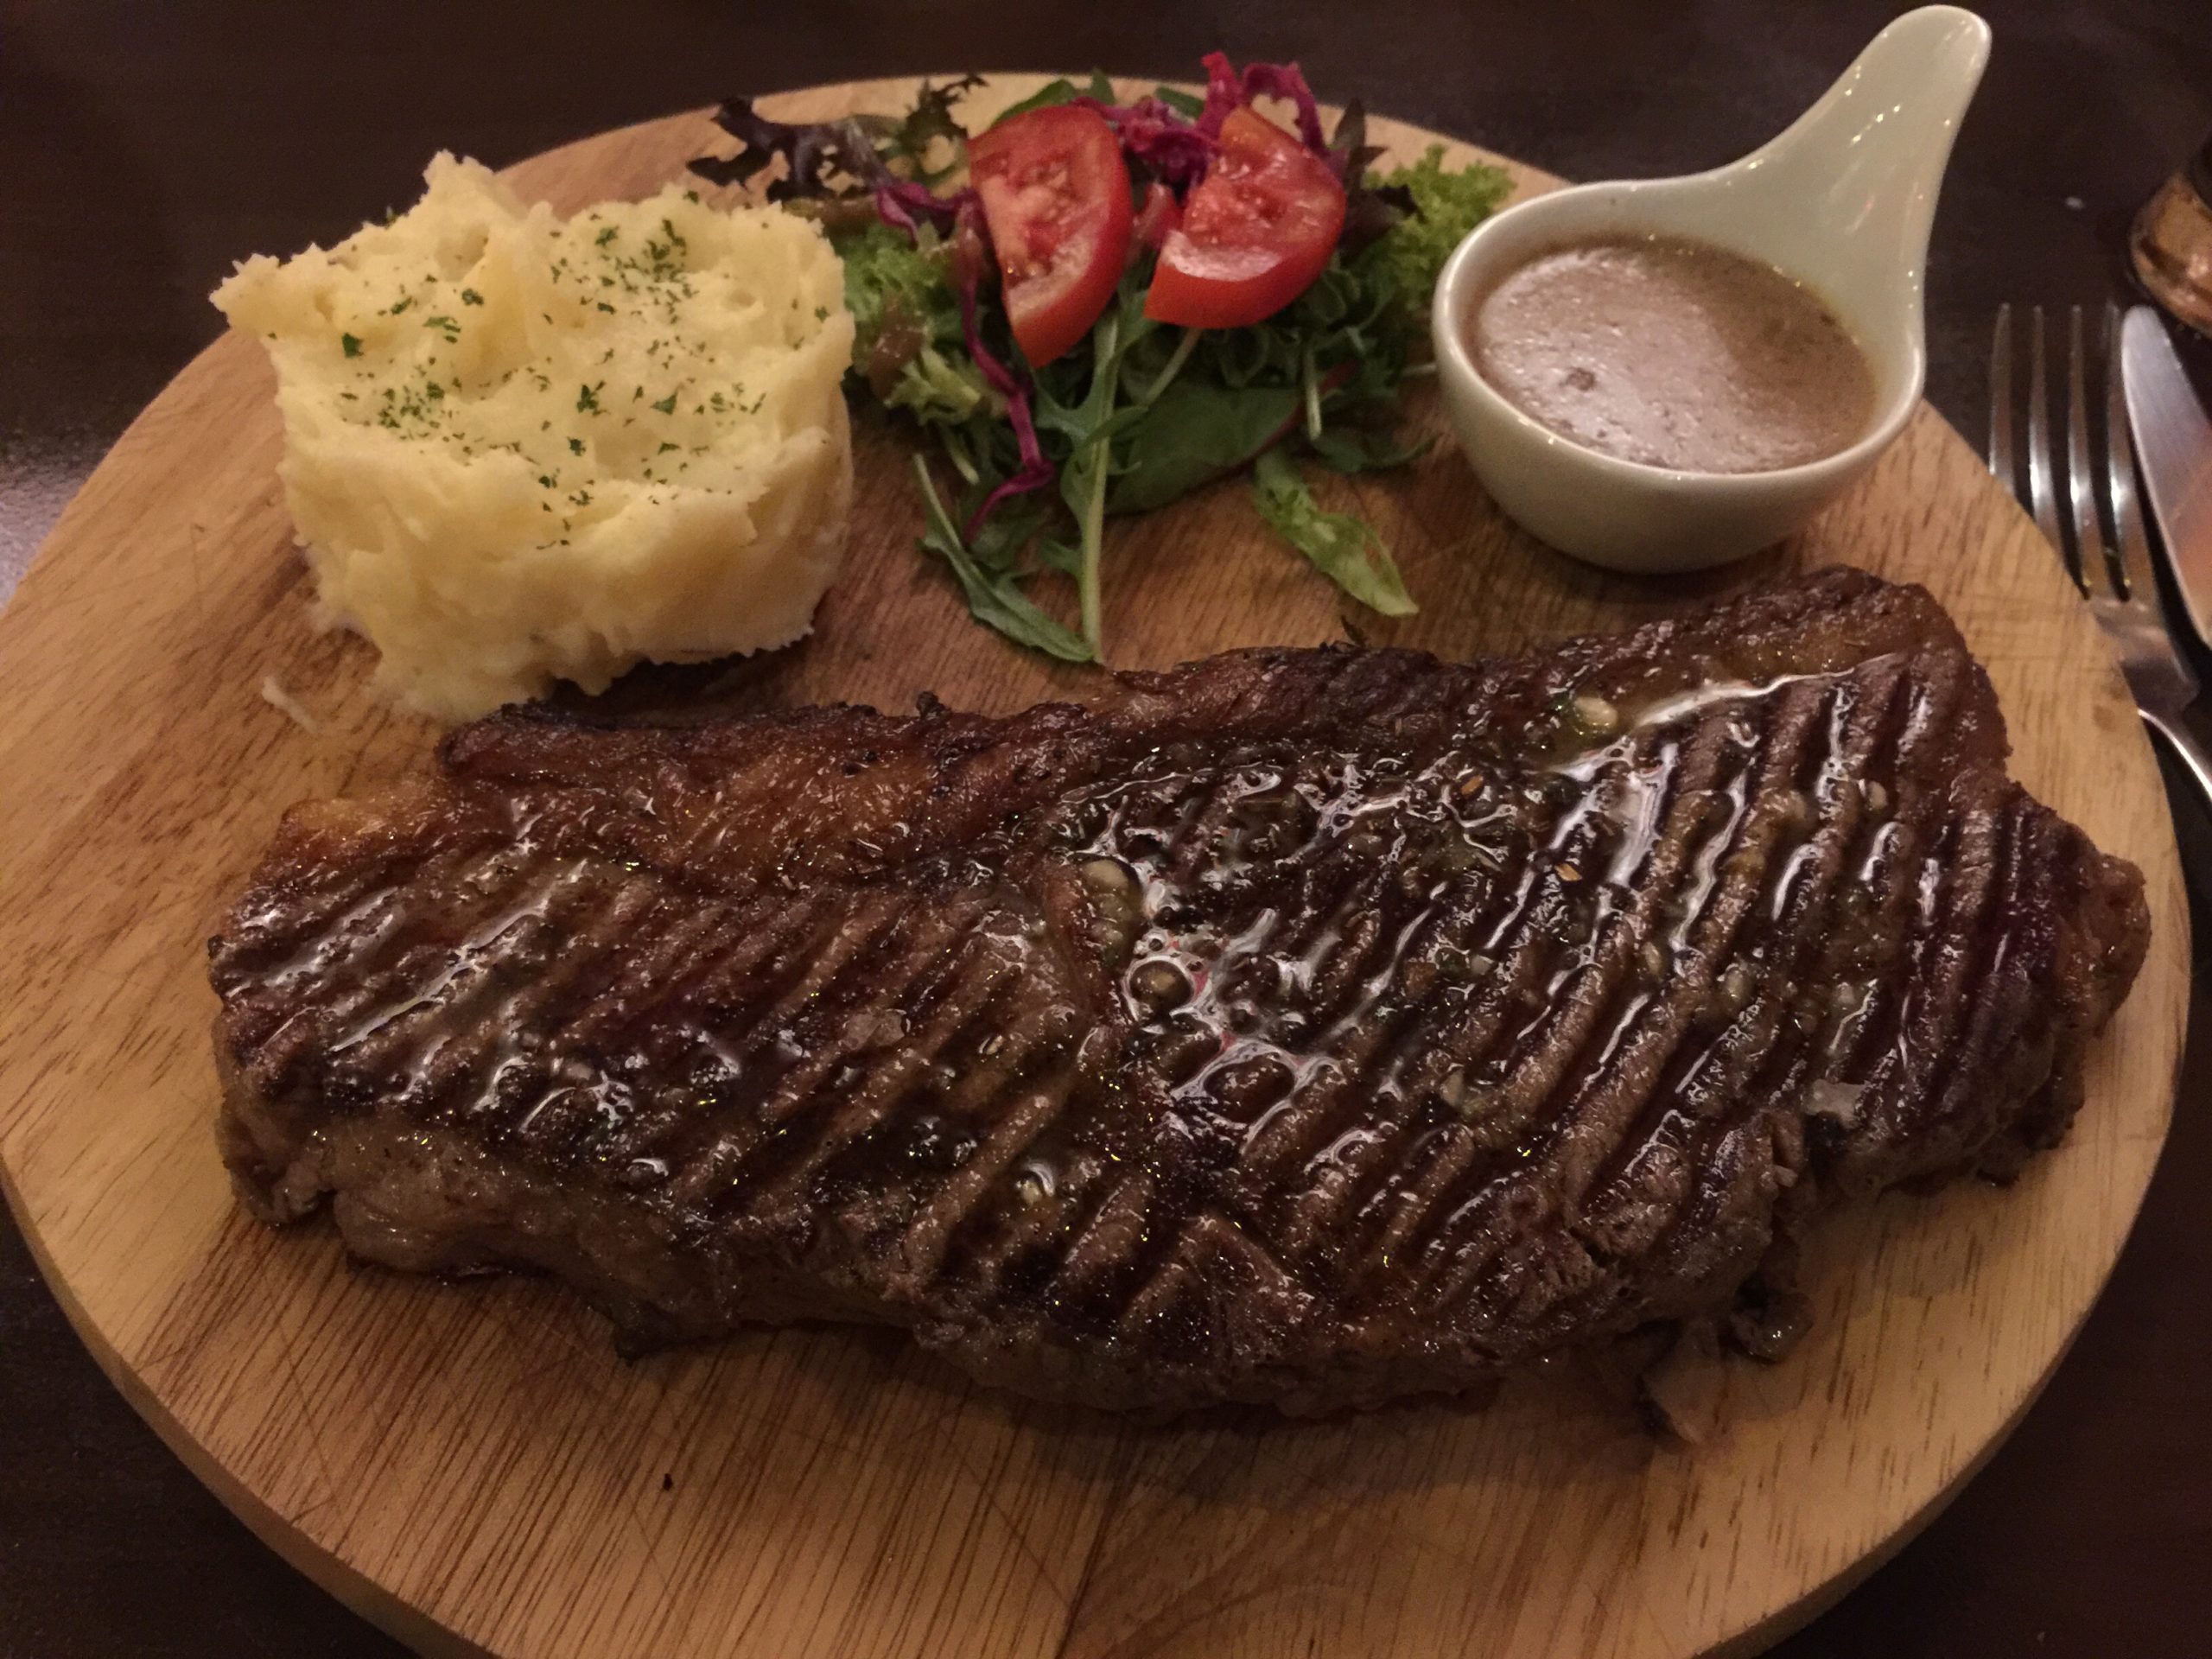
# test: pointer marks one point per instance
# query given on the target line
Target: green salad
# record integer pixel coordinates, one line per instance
(1092, 308)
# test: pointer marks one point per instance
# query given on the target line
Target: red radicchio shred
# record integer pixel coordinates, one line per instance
(1226, 90)
(1285, 80)
(1035, 476)
(1035, 472)
(901, 203)
(1157, 134)
(892, 211)
(1224, 93)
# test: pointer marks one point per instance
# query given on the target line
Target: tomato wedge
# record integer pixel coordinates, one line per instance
(1157, 214)
(1256, 231)
(1055, 196)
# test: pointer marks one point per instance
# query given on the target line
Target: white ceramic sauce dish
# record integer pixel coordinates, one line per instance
(1842, 202)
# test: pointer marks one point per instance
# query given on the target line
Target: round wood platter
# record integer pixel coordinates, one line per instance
(474, 1468)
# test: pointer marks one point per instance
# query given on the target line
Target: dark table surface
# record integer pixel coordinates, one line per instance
(144, 148)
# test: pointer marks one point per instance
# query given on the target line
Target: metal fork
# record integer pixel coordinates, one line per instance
(2114, 574)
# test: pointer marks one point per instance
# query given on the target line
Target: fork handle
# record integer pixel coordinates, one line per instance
(2186, 749)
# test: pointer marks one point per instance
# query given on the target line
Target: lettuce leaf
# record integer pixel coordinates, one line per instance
(906, 334)
(993, 590)
(1343, 548)
(1447, 203)
(1194, 432)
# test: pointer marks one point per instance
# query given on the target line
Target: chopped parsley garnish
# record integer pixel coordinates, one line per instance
(587, 399)
(470, 296)
(403, 305)
(604, 237)
(350, 343)
(575, 446)
(667, 405)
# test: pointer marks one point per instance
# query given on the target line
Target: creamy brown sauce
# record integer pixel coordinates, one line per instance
(1674, 353)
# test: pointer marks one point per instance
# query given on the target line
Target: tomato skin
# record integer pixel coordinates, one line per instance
(1256, 231)
(1055, 196)
(1159, 216)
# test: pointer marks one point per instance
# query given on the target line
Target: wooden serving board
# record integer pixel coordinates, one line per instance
(473, 1467)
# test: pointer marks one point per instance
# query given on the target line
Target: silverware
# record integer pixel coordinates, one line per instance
(2114, 575)
(2173, 446)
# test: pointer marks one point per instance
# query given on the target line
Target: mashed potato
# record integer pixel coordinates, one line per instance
(518, 449)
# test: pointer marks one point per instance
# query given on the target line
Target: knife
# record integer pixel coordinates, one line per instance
(2173, 446)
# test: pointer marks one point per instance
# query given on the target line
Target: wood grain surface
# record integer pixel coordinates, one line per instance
(474, 1468)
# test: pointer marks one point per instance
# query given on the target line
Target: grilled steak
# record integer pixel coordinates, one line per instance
(1308, 1027)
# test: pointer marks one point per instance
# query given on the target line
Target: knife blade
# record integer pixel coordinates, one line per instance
(2173, 446)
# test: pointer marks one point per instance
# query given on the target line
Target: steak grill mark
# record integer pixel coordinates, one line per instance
(1308, 1027)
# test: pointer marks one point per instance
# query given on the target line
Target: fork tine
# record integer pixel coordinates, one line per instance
(2002, 461)
(2093, 560)
(2133, 552)
(2043, 485)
